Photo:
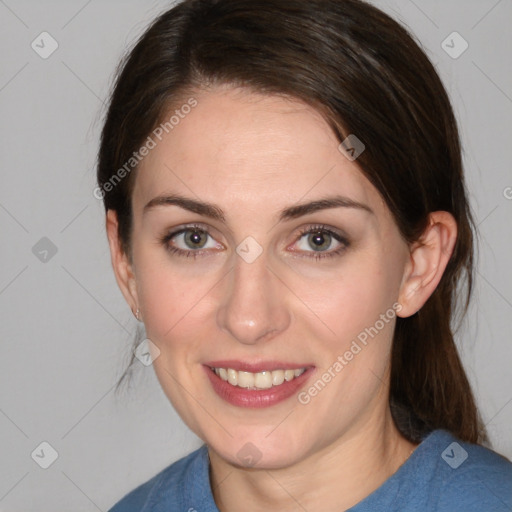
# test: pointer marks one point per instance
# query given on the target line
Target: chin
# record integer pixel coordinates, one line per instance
(263, 451)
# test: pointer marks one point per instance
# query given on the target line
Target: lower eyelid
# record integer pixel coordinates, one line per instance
(321, 254)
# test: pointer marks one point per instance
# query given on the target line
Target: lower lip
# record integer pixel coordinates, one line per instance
(242, 397)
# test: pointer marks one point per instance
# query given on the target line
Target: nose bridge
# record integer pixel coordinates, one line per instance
(252, 306)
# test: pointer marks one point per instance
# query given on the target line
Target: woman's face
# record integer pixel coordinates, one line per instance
(285, 258)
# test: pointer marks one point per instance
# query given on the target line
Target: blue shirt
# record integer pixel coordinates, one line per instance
(443, 474)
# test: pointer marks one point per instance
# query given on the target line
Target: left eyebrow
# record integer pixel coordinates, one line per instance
(322, 204)
(215, 212)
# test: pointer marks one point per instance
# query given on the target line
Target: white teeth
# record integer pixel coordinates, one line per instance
(277, 377)
(232, 377)
(289, 375)
(261, 380)
(245, 379)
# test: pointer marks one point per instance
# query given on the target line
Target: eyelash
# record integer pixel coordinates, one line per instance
(319, 228)
(306, 231)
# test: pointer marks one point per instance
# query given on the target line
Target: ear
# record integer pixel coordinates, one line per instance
(427, 262)
(123, 268)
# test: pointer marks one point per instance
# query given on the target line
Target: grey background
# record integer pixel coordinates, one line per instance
(65, 329)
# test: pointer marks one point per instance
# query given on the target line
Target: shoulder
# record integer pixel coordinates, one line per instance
(170, 481)
(474, 478)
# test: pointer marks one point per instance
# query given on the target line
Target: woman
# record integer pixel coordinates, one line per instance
(287, 215)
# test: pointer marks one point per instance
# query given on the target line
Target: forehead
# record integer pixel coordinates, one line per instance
(249, 151)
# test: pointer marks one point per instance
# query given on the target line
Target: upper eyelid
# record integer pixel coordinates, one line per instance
(170, 234)
(208, 229)
(323, 227)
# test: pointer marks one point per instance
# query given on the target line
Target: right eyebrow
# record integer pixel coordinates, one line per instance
(199, 207)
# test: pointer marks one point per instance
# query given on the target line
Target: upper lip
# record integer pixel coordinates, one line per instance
(256, 367)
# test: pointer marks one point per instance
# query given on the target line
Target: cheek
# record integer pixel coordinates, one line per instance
(171, 307)
(174, 309)
(353, 327)
(353, 353)
(170, 294)
(351, 299)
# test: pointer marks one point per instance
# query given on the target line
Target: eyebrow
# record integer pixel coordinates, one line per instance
(214, 212)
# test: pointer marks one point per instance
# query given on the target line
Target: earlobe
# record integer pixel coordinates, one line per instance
(428, 259)
(123, 268)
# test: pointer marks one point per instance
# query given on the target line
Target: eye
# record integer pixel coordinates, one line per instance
(315, 241)
(321, 242)
(189, 241)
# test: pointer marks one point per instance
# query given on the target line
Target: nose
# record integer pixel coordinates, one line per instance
(253, 308)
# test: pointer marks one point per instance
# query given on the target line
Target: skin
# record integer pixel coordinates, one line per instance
(253, 156)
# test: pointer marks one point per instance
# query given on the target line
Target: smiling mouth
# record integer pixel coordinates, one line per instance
(254, 381)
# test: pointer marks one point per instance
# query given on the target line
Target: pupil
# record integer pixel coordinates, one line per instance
(195, 239)
(319, 239)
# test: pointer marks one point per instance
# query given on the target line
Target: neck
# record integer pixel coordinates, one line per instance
(334, 478)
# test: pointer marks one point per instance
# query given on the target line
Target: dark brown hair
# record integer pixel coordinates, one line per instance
(367, 76)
